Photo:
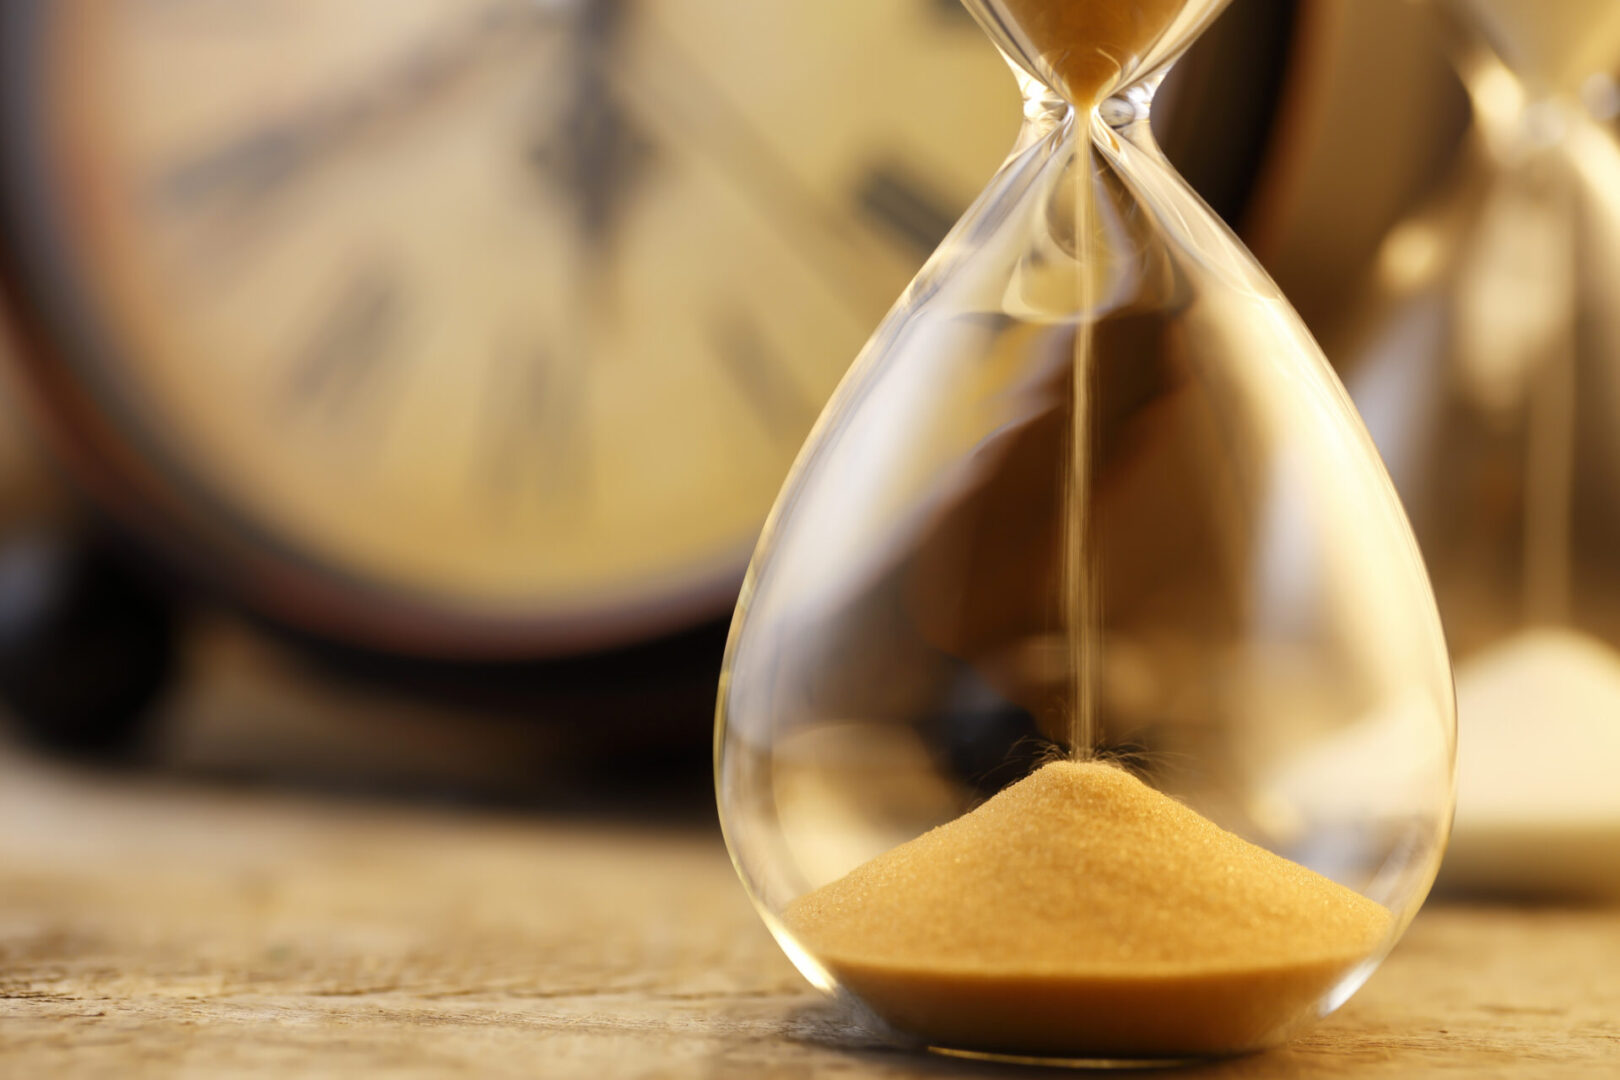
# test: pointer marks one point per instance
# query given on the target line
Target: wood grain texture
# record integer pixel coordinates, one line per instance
(151, 929)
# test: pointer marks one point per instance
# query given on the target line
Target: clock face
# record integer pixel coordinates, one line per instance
(478, 327)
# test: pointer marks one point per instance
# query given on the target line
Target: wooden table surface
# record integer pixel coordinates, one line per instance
(151, 927)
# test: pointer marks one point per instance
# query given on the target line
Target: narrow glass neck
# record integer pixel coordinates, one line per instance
(1091, 50)
(1515, 122)
(1519, 113)
(1552, 47)
(1044, 106)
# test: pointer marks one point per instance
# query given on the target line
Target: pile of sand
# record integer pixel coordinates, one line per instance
(1080, 913)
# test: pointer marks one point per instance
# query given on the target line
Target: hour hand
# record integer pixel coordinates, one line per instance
(248, 168)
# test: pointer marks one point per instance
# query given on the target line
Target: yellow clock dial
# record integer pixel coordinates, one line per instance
(509, 314)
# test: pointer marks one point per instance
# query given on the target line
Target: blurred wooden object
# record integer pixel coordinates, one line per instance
(151, 928)
(1371, 117)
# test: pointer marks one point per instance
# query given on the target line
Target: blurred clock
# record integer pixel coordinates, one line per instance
(480, 332)
(469, 329)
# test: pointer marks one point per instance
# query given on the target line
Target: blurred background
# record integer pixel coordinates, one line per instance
(393, 391)
(396, 392)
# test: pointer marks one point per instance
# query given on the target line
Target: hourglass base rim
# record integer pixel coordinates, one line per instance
(1072, 1061)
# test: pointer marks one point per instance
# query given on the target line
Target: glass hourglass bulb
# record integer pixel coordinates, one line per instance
(1086, 697)
(1485, 356)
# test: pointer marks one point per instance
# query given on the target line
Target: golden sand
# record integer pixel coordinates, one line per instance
(1080, 913)
(1088, 43)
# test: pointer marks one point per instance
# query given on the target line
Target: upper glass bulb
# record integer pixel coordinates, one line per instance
(1089, 568)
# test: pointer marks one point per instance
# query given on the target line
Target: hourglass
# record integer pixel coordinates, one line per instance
(1022, 734)
(1486, 359)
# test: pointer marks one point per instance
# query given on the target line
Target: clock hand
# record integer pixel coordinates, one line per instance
(595, 154)
(252, 167)
(710, 119)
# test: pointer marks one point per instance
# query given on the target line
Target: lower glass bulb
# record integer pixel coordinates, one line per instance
(1086, 698)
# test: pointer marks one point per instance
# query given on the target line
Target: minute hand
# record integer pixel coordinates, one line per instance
(257, 165)
(700, 114)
